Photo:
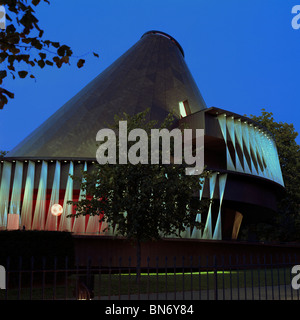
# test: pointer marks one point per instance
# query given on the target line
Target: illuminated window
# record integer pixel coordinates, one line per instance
(184, 108)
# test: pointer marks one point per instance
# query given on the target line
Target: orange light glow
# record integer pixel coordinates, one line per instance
(56, 210)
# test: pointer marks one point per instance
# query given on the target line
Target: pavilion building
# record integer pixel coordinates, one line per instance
(246, 175)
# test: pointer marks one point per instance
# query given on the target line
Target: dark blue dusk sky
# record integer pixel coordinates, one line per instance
(244, 54)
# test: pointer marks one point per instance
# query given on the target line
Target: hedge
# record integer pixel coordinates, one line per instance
(42, 246)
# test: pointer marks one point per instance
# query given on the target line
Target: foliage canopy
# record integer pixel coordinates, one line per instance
(22, 42)
(286, 223)
(143, 202)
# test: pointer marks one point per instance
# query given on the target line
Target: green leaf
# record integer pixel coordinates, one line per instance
(37, 44)
(42, 55)
(10, 29)
(3, 55)
(47, 43)
(55, 44)
(22, 74)
(49, 63)
(64, 51)
(3, 100)
(26, 40)
(80, 63)
(36, 2)
(96, 54)
(41, 63)
(11, 67)
(57, 61)
(155, 204)
(3, 74)
(64, 59)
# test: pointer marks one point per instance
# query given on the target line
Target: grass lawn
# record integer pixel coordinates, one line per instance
(126, 284)
(170, 282)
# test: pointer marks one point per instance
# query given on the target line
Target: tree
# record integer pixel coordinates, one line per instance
(143, 202)
(286, 224)
(22, 42)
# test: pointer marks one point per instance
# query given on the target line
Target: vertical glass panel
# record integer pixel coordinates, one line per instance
(222, 122)
(103, 231)
(266, 155)
(218, 227)
(51, 223)
(13, 221)
(197, 233)
(246, 148)
(79, 223)
(16, 190)
(4, 192)
(253, 149)
(93, 225)
(27, 206)
(259, 152)
(66, 223)
(40, 207)
(207, 233)
(230, 126)
(236, 225)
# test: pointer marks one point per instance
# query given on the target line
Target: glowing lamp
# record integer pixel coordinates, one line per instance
(57, 210)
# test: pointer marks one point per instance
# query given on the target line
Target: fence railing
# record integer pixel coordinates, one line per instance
(227, 277)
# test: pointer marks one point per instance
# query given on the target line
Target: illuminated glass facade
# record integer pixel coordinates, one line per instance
(258, 153)
(241, 155)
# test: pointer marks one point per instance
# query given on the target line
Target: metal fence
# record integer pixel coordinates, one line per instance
(227, 277)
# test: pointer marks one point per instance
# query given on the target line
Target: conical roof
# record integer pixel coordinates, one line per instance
(151, 74)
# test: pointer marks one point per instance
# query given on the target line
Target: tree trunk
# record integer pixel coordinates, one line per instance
(138, 261)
